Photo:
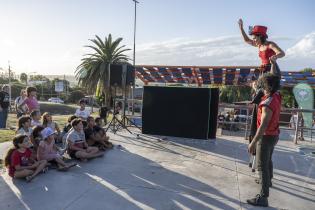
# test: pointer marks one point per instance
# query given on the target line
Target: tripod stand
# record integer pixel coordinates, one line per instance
(115, 124)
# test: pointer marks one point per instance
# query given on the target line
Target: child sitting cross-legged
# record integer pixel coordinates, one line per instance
(77, 146)
(91, 135)
(18, 160)
(100, 133)
(47, 150)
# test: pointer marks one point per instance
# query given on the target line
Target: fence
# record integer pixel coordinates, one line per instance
(299, 128)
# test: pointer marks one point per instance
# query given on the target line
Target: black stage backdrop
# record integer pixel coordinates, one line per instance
(180, 111)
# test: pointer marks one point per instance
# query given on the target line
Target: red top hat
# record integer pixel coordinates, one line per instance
(259, 30)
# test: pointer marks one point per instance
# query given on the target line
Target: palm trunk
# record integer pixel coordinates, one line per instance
(108, 97)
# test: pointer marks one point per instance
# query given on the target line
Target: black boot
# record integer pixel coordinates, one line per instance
(258, 201)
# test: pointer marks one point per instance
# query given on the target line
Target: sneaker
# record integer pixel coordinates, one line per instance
(250, 165)
(258, 201)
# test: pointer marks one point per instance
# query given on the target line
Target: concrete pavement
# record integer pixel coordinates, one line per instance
(171, 174)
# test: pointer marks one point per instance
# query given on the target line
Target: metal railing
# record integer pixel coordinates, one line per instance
(298, 129)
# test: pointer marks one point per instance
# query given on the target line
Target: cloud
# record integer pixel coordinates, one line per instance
(302, 54)
(305, 48)
(226, 50)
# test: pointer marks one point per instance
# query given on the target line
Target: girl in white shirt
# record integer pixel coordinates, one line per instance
(82, 112)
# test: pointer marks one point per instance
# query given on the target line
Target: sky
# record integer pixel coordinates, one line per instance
(48, 36)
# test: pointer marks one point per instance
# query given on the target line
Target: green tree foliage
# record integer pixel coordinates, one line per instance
(23, 78)
(16, 88)
(288, 99)
(307, 70)
(230, 94)
(94, 69)
(75, 96)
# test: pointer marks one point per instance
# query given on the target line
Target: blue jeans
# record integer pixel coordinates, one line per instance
(3, 118)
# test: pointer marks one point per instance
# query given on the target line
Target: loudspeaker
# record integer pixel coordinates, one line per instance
(179, 111)
(117, 72)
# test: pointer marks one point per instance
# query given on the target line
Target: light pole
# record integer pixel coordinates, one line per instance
(9, 85)
(134, 56)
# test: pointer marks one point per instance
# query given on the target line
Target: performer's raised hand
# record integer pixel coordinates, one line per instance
(240, 23)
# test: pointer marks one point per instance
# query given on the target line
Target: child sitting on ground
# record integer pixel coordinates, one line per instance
(48, 122)
(24, 127)
(98, 122)
(100, 133)
(47, 150)
(35, 115)
(77, 146)
(37, 136)
(18, 160)
(82, 112)
(67, 129)
(92, 137)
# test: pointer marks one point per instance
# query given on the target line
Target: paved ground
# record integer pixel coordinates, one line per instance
(171, 174)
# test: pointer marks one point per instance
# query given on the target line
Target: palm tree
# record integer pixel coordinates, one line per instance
(94, 70)
(23, 78)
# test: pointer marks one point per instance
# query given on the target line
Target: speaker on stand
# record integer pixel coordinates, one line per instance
(120, 76)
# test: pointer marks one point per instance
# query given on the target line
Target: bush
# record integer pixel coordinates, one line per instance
(75, 96)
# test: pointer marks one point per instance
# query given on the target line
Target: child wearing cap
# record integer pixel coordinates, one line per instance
(47, 150)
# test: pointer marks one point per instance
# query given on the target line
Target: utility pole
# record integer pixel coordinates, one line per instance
(134, 57)
(9, 85)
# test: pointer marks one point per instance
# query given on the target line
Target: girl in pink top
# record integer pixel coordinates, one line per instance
(31, 100)
(47, 150)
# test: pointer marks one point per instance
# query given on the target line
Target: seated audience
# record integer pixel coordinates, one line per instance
(82, 112)
(48, 150)
(37, 136)
(77, 146)
(35, 115)
(18, 160)
(90, 135)
(24, 127)
(48, 122)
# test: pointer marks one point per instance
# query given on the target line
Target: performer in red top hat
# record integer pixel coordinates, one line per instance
(269, 51)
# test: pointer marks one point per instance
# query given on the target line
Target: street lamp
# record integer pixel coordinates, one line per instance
(9, 85)
(134, 56)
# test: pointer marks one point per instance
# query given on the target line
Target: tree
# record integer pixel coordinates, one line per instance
(231, 94)
(94, 68)
(307, 70)
(288, 99)
(23, 78)
(75, 96)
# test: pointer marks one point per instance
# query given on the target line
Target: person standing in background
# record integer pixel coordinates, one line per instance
(18, 101)
(4, 105)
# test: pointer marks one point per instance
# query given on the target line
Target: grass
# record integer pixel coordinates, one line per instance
(6, 135)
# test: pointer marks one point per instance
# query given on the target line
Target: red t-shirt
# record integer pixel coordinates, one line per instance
(19, 158)
(273, 102)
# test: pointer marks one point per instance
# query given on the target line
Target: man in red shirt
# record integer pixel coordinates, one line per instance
(267, 135)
